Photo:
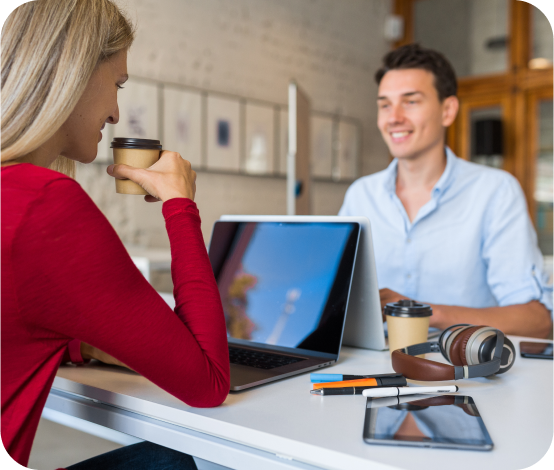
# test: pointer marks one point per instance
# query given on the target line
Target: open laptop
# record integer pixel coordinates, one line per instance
(284, 287)
(364, 324)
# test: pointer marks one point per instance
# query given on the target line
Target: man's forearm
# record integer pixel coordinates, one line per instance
(532, 319)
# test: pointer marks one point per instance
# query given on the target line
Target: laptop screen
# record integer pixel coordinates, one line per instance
(285, 284)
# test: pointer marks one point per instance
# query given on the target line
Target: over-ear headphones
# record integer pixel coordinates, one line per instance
(474, 351)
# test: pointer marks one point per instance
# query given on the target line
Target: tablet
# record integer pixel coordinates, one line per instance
(444, 421)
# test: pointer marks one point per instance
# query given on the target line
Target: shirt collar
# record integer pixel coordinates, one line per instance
(440, 186)
(390, 176)
(447, 175)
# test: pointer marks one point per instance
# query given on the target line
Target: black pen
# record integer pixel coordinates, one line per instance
(339, 391)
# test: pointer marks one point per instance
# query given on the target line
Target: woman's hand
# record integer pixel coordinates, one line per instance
(170, 177)
(90, 352)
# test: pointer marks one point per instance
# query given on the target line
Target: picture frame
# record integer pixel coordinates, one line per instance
(223, 133)
(182, 124)
(347, 151)
(138, 110)
(260, 139)
(321, 146)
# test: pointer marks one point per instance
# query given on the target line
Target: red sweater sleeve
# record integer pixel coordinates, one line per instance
(74, 278)
(73, 353)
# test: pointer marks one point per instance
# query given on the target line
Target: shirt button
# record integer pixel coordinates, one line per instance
(409, 240)
(409, 276)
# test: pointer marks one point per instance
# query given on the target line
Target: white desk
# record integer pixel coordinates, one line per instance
(283, 426)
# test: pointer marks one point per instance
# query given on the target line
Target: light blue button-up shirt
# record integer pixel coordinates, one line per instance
(472, 245)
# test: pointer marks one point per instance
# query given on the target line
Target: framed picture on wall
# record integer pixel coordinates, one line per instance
(348, 149)
(260, 135)
(182, 129)
(283, 140)
(322, 146)
(138, 110)
(223, 133)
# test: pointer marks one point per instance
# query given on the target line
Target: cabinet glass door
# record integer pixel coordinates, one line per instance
(486, 135)
(543, 178)
(472, 34)
(541, 54)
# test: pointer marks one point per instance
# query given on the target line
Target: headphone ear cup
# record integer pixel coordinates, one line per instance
(508, 356)
(443, 338)
(448, 336)
(458, 346)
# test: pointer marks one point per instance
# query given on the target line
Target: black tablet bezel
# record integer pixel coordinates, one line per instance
(428, 443)
(326, 339)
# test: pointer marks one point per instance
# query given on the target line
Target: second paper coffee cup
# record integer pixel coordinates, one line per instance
(408, 323)
(138, 153)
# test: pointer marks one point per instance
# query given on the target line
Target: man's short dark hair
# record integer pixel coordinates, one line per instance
(413, 56)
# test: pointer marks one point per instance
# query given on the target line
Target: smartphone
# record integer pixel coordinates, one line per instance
(536, 350)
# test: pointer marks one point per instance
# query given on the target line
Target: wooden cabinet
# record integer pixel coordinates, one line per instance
(521, 96)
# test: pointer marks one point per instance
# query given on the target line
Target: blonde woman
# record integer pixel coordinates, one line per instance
(66, 276)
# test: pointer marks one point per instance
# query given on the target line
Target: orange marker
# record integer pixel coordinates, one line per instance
(373, 382)
(347, 383)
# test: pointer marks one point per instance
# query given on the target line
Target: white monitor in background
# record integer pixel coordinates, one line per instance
(364, 324)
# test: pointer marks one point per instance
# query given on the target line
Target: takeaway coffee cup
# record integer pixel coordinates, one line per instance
(139, 153)
(408, 323)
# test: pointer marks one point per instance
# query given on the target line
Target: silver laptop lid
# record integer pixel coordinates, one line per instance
(285, 284)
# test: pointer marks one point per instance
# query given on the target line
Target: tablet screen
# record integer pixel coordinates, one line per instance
(440, 421)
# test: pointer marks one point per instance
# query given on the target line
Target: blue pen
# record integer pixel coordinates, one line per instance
(322, 378)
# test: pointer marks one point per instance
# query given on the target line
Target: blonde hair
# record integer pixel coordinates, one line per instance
(50, 48)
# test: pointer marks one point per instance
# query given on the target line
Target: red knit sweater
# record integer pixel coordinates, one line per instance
(66, 275)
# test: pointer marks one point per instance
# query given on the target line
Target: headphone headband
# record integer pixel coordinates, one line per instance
(453, 341)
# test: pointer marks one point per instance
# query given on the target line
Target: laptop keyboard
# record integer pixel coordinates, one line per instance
(260, 360)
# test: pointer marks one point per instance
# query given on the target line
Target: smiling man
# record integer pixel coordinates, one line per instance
(447, 232)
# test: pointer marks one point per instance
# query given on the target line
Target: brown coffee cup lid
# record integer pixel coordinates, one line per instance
(408, 309)
(132, 143)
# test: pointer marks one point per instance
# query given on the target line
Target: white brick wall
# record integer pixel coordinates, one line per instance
(252, 48)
